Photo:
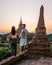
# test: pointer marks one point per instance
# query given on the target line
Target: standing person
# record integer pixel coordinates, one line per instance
(13, 40)
(23, 37)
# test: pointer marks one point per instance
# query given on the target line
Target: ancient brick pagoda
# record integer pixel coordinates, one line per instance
(20, 26)
(39, 46)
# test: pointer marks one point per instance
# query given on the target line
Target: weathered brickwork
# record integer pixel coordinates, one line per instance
(39, 46)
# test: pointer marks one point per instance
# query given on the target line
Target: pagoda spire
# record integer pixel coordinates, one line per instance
(40, 30)
(41, 23)
(20, 20)
(20, 26)
(39, 46)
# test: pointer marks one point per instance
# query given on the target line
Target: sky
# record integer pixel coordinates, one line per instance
(12, 10)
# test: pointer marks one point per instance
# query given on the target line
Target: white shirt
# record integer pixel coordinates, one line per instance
(23, 33)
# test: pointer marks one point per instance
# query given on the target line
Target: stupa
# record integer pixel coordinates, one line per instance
(39, 46)
(20, 26)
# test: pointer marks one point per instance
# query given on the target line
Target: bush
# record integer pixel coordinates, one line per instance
(18, 50)
(49, 37)
(4, 52)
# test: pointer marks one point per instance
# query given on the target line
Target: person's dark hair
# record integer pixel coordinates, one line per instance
(13, 30)
(24, 25)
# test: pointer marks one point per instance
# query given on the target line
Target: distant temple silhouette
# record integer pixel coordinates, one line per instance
(20, 26)
(39, 45)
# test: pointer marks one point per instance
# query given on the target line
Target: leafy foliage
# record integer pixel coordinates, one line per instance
(4, 37)
(4, 52)
(49, 37)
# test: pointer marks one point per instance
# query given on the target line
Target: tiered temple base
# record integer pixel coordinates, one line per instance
(37, 49)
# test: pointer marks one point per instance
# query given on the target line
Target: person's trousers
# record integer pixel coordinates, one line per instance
(13, 49)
